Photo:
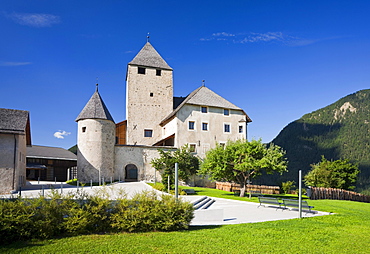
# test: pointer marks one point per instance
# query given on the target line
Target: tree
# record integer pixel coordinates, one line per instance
(242, 160)
(188, 164)
(339, 174)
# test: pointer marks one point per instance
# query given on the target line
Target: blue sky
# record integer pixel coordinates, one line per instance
(278, 60)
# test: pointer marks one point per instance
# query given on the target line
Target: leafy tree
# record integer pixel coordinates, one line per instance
(340, 174)
(241, 160)
(188, 164)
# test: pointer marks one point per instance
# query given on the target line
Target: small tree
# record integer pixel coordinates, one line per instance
(287, 186)
(188, 164)
(340, 174)
(241, 160)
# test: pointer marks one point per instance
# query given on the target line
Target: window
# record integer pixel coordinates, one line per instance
(226, 127)
(191, 125)
(151, 94)
(222, 144)
(226, 112)
(148, 133)
(192, 148)
(83, 129)
(240, 128)
(158, 72)
(205, 126)
(204, 109)
(140, 70)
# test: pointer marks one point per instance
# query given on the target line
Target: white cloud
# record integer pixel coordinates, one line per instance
(223, 34)
(61, 134)
(34, 19)
(14, 63)
(252, 37)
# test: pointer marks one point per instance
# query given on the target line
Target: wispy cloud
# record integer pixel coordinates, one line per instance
(252, 37)
(14, 63)
(34, 19)
(61, 134)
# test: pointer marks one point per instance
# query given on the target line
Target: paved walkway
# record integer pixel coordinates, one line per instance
(222, 212)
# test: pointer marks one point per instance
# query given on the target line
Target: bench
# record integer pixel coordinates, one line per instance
(189, 191)
(295, 203)
(270, 201)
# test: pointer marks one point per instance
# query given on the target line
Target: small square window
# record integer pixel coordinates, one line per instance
(148, 133)
(240, 128)
(226, 112)
(226, 127)
(140, 70)
(204, 109)
(205, 126)
(151, 94)
(83, 129)
(191, 125)
(158, 72)
(192, 148)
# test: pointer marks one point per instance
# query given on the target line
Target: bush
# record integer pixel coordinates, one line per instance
(22, 219)
(148, 212)
(287, 186)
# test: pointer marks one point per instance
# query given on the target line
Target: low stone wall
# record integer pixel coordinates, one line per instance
(233, 187)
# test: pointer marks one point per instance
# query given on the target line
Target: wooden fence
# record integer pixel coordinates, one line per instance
(330, 193)
(234, 187)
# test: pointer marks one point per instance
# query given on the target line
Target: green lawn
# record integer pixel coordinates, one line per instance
(348, 231)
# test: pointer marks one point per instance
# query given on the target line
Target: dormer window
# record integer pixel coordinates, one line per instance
(151, 94)
(158, 72)
(140, 70)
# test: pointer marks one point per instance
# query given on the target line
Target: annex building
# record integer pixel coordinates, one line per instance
(155, 120)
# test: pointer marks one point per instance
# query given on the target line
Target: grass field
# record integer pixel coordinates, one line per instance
(347, 231)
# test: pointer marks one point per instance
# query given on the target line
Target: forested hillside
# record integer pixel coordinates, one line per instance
(338, 131)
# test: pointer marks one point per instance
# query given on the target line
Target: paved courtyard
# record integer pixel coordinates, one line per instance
(221, 212)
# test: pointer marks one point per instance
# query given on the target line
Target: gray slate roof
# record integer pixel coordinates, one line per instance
(149, 57)
(95, 109)
(204, 96)
(13, 121)
(47, 152)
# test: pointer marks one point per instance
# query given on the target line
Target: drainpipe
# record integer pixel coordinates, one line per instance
(14, 161)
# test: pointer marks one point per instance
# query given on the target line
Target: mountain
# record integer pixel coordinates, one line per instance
(338, 131)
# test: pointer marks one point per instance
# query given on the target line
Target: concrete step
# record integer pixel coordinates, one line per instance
(203, 203)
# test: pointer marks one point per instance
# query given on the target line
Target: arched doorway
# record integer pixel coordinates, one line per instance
(131, 173)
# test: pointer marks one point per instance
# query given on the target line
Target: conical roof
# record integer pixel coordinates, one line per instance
(95, 109)
(149, 57)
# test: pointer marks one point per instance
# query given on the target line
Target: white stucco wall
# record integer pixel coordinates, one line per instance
(12, 162)
(204, 140)
(95, 149)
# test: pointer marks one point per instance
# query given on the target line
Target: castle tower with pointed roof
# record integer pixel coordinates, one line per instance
(149, 96)
(95, 141)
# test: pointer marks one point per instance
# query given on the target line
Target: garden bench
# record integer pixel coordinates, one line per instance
(189, 191)
(295, 203)
(270, 201)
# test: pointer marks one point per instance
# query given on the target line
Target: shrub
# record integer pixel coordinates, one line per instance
(148, 212)
(22, 219)
(287, 186)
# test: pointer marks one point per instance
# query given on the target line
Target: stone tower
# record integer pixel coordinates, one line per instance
(149, 96)
(95, 141)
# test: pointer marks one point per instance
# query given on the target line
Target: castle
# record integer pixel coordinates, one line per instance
(155, 120)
